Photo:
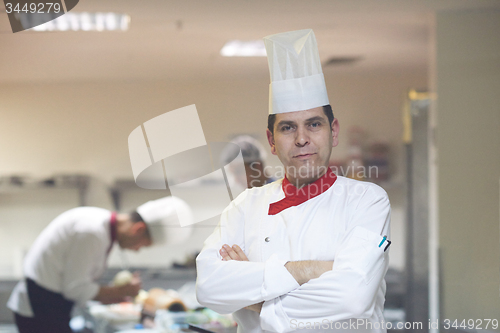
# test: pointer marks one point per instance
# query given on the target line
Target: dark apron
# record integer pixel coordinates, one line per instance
(52, 312)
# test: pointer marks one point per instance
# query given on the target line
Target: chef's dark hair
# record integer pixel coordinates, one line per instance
(135, 217)
(327, 109)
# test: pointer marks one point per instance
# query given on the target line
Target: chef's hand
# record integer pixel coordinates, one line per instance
(132, 288)
(306, 270)
(232, 253)
(255, 307)
(236, 253)
(117, 294)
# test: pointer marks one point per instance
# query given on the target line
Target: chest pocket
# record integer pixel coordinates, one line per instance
(361, 252)
(310, 235)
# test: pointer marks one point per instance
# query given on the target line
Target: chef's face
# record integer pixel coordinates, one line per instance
(136, 237)
(303, 141)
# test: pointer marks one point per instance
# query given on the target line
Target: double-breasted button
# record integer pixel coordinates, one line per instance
(267, 239)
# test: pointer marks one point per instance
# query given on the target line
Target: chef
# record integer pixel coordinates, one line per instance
(65, 260)
(308, 252)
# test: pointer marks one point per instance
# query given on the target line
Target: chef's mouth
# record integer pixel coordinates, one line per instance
(304, 155)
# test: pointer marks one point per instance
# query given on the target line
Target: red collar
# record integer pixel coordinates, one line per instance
(295, 196)
(112, 229)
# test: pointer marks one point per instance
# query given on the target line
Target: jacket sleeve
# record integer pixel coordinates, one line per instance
(78, 284)
(350, 289)
(227, 286)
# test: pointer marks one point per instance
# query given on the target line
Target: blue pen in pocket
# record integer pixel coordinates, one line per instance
(382, 242)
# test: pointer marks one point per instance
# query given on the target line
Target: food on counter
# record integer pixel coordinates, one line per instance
(160, 299)
(159, 309)
(122, 278)
(115, 314)
(141, 297)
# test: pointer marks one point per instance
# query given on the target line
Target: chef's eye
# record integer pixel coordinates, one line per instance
(315, 125)
(285, 128)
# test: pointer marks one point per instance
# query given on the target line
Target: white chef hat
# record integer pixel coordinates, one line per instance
(168, 219)
(297, 81)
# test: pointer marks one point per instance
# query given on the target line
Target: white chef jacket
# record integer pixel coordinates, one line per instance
(346, 224)
(67, 257)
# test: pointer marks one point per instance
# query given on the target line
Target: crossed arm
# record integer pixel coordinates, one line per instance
(305, 290)
(302, 271)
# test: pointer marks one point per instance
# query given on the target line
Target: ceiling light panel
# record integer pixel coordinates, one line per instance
(238, 48)
(85, 22)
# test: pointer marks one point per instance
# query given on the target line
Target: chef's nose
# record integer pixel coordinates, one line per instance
(302, 137)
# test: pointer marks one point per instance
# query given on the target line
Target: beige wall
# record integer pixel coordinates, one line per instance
(468, 142)
(83, 127)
